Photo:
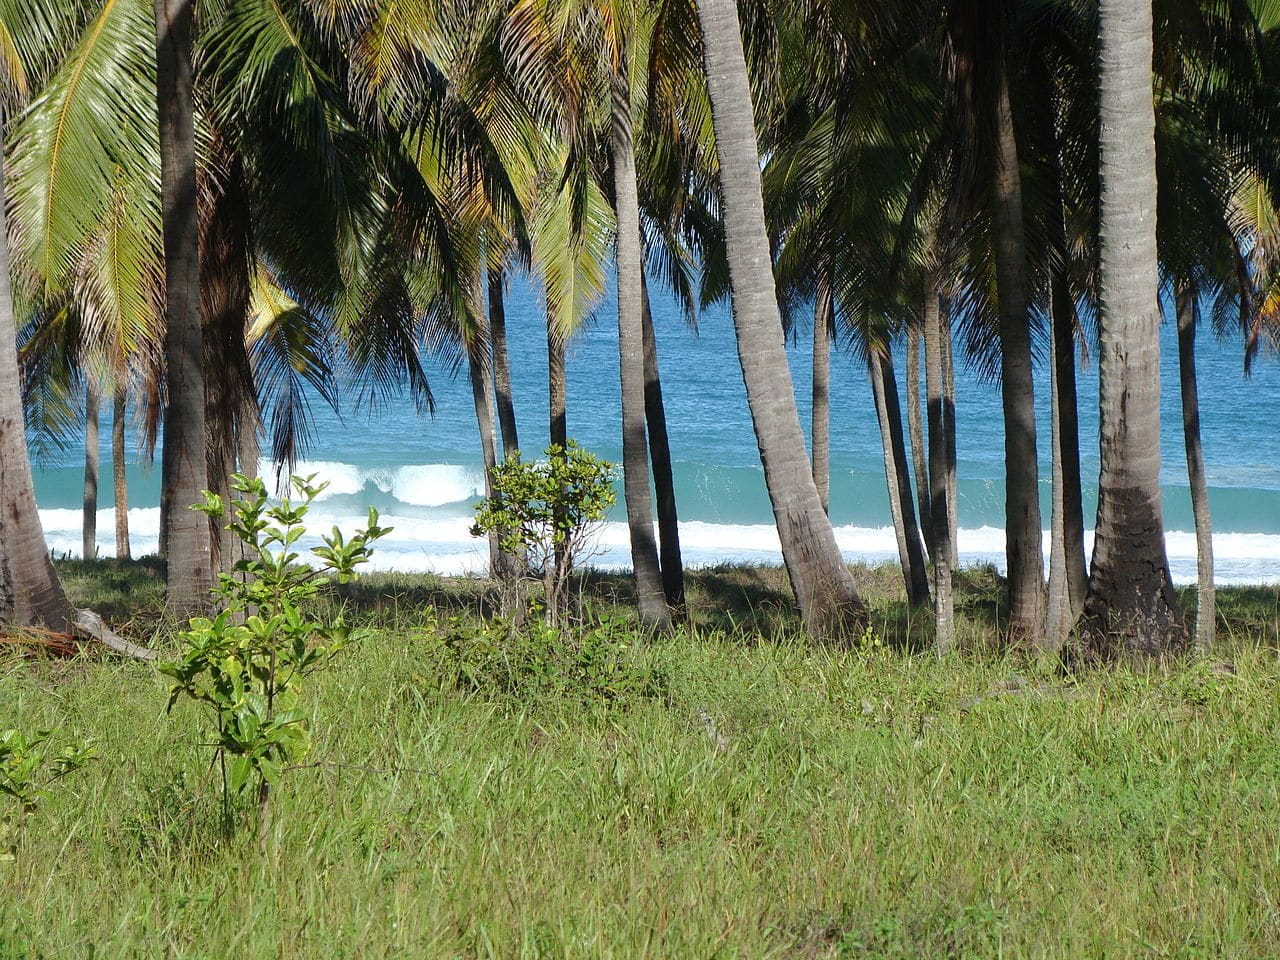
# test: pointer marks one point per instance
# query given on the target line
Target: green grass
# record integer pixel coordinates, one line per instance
(778, 800)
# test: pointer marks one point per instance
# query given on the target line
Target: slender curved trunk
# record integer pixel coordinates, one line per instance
(1023, 537)
(650, 596)
(482, 398)
(915, 426)
(949, 431)
(884, 389)
(1131, 603)
(184, 466)
(1067, 574)
(502, 366)
(939, 496)
(823, 317)
(1206, 604)
(30, 591)
(664, 485)
(823, 584)
(92, 461)
(559, 429)
(119, 410)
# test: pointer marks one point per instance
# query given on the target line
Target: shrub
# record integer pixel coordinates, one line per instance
(546, 512)
(246, 664)
(27, 769)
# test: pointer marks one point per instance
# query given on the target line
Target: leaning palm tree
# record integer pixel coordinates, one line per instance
(1131, 603)
(824, 587)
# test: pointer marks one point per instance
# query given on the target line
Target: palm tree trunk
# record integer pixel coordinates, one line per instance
(502, 366)
(559, 430)
(482, 398)
(1067, 575)
(949, 430)
(92, 460)
(30, 591)
(664, 486)
(650, 596)
(939, 498)
(915, 427)
(119, 410)
(884, 389)
(824, 587)
(1131, 603)
(1023, 538)
(184, 468)
(821, 425)
(1206, 605)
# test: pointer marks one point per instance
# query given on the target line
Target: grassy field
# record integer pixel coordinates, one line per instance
(749, 795)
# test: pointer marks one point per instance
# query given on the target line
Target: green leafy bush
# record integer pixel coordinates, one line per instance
(546, 512)
(538, 660)
(28, 767)
(246, 664)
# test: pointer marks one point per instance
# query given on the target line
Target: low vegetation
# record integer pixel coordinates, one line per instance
(728, 790)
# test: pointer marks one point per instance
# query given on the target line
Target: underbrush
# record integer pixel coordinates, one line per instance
(475, 790)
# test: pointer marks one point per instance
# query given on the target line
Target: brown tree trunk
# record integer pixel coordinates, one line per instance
(1131, 604)
(939, 498)
(823, 584)
(949, 430)
(482, 398)
(650, 596)
(664, 486)
(92, 460)
(184, 466)
(1023, 537)
(502, 366)
(559, 430)
(884, 389)
(30, 591)
(823, 318)
(1206, 604)
(915, 427)
(119, 410)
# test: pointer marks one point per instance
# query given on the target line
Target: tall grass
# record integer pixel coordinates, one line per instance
(777, 800)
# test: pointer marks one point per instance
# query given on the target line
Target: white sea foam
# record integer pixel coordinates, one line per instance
(419, 485)
(444, 545)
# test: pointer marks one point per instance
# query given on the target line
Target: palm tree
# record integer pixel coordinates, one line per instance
(824, 587)
(185, 470)
(1130, 603)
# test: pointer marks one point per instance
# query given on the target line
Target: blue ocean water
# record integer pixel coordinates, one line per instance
(423, 472)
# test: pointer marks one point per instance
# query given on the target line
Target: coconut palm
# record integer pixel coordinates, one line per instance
(1131, 601)
(824, 587)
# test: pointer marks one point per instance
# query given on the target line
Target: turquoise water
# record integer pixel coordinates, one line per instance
(424, 472)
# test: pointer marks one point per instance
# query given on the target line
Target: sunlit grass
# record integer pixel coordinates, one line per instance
(779, 800)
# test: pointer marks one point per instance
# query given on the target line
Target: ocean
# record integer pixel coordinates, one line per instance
(423, 472)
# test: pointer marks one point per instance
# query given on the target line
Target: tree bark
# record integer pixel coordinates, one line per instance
(884, 389)
(1023, 537)
(92, 461)
(119, 410)
(939, 497)
(823, 318)
(824, 587)
(30, 591)
(1067, 574)
(949, 431)
(664, 486)
(502, 366)
(559, 430)
(650, 596)
(915, 427)
(1206, 604)
(184, 467)
(1131, 604)
(482, 398)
